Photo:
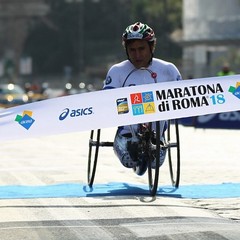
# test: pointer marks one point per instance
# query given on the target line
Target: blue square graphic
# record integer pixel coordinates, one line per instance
(137, 109)
(236, 92)
(26, 121)
(147, 97)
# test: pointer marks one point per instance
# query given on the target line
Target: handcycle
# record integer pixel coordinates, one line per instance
(149, 145)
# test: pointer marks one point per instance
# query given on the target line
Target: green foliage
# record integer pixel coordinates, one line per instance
(166, 13)
(164, 17)
(92, 30)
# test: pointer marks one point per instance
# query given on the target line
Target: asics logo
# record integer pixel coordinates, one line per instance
(64, 114)
(75, 112)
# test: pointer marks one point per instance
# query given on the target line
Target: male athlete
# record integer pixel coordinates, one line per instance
(141, 68)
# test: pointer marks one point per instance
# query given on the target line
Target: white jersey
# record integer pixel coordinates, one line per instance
(125, 74)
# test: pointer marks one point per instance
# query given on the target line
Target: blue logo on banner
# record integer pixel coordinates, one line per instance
(64, 114)
(75, 112)
(25, 120)
(147, 97)
(235, 90)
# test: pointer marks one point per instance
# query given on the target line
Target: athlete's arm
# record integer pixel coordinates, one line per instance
(174, 72)
(113, 78)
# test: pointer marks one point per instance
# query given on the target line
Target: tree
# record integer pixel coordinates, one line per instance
(164, 17)
(90, 31)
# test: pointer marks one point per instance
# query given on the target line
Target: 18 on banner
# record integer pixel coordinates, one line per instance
(122, 106)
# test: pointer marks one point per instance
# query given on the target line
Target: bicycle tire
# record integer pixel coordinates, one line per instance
(173, 140)
(153, 174)
(94, 143)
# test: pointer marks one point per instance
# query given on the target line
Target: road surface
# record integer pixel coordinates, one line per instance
(39, 200)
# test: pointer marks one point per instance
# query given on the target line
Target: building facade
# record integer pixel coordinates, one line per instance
(211, 37)
(15, 19)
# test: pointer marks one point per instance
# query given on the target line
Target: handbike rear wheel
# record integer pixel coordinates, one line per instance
(174, 152)
(94, 143)
(153, 174)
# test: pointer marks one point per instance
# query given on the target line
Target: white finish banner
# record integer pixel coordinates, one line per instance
(122, 106)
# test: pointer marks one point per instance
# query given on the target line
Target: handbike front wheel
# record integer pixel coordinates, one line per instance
(173, 141)
(153, 173)
(94, 143)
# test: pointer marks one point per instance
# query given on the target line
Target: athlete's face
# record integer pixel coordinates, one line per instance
(139, 53)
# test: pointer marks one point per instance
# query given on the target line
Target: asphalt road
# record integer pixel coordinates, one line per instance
(208, 157)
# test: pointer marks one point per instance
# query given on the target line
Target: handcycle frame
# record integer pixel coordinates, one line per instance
(146, 150)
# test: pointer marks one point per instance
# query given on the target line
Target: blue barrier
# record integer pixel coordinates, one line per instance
(226, 120)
